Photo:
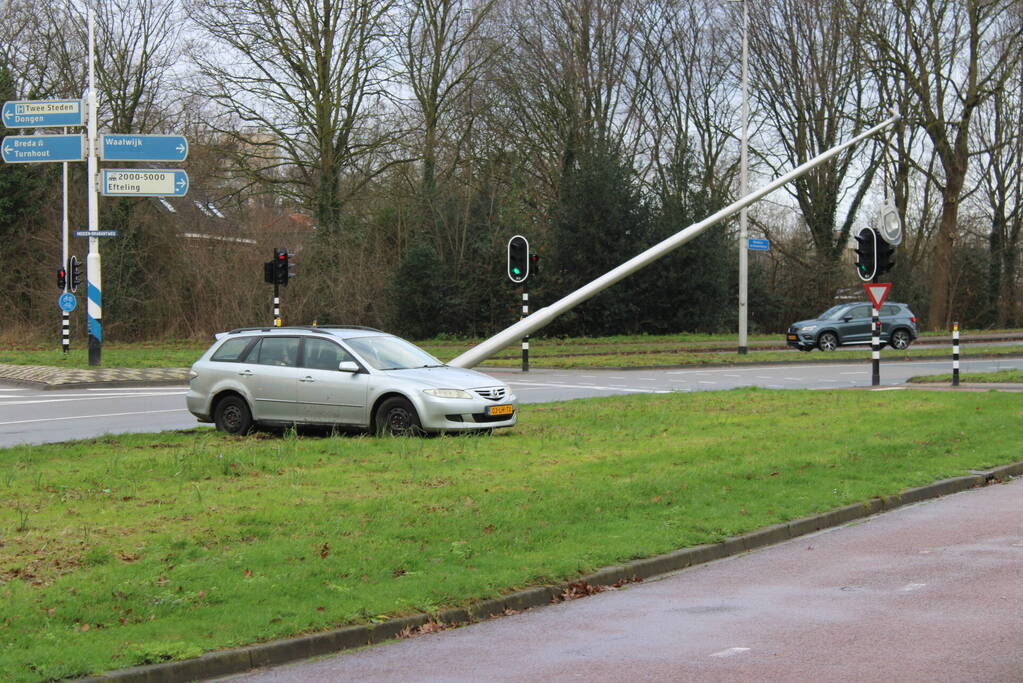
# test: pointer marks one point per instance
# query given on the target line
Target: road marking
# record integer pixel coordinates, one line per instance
(731, 652)
(83, 397)
(909, 587)
(703, 382)
(579, 386)
(91, 417)
(890, 389)
(178, 387)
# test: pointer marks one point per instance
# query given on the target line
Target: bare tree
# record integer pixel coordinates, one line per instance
(685, 92)
(1000, 128)
(298, 81)
(811, 86)
(952, 56)
(565, 81)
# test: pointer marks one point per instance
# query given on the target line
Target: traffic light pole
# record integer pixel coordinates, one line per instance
(525, 314)
(875, 346)
(545, 315)
(65, 316)
(277, 304)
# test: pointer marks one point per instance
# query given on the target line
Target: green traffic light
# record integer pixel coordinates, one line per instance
(516, 271)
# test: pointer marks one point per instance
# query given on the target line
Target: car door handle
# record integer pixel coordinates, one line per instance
(307, 379)
(246, 373)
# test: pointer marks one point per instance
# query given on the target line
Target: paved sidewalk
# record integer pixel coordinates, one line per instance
(47, 377)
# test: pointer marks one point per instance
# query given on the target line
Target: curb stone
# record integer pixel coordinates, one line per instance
(239, 660)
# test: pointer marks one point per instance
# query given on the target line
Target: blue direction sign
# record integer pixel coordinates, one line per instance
(143, 147)
(30, 149)
(759, 245)
(67, 302)
(144, 182)
(43, 113)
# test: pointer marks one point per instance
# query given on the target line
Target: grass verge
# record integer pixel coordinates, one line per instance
(143, 548)
(1011, 376)
(603, 352)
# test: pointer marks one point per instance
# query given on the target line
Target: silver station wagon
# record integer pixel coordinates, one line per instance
(353, 377)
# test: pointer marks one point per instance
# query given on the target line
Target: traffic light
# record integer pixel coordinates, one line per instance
(74, 273)
(61, 279)
(281, 268)
(518, 258)
(866, 254)
(885, 252)
(268, 272)
(534, 263)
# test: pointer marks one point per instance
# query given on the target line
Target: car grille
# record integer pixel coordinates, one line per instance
(491, 393)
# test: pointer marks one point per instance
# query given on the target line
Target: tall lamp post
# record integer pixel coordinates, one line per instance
(744, 190)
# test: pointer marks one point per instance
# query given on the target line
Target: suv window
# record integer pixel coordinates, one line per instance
(859, 312)
(321, 354)
(889, 309)
(282, 351)
(232, 350)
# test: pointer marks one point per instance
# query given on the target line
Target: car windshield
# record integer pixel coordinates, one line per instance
(392, 353)
(833, 313)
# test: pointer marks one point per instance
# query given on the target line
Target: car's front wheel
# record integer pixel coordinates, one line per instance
(900, 340)
(398, 417)
(828, 341)
(232, 415)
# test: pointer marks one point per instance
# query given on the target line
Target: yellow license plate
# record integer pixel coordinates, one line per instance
(793, 337)
(500, 410)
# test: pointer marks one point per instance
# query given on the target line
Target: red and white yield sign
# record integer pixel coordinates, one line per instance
(877, 292)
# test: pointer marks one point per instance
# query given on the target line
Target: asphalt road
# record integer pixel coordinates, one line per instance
(930, 592)
(29, 416)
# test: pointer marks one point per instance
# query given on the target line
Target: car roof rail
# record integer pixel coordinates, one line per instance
(346, 327)
(309, 328)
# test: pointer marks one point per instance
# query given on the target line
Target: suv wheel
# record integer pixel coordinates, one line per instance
(232, 415)
(900, 340)
(397, 417)
(828, 341)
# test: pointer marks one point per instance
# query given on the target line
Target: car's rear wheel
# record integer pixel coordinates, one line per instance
(398, 417)
(900, 340)
(232, 415)
(828, 341)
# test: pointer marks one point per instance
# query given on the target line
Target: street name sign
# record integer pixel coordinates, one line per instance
(95, 233)
(143, 148)
(43, 113)
(877, 292)
(31, 149)
(144, 182)
(759, 245)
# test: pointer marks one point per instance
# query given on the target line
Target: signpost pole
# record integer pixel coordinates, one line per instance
(65, 321)
(94, 277)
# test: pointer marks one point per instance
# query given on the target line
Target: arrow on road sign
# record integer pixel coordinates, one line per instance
(877, 292)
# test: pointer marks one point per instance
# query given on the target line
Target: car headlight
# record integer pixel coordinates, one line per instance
(447, 393)
(808, 328)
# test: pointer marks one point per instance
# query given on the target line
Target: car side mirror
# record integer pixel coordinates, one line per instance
(348, 366)
(846, 318)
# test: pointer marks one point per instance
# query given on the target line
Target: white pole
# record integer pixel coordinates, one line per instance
(545, 315)
(94, 284)
(744, 190)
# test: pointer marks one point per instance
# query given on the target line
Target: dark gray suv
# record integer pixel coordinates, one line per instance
(850, 324)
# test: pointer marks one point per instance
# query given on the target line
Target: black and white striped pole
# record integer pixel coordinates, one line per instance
(525, 313)
(277, 305)
(955, 353)
(875, 346)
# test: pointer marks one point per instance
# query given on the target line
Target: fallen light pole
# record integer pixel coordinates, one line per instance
(543, 316)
